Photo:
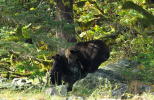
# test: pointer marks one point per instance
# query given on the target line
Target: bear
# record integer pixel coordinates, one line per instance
(77, 61)
(63, 72)
(89, 54)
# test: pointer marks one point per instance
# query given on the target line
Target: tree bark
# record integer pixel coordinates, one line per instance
(64, 16)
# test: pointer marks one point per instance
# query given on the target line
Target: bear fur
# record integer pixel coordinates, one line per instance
(77, 61)
(63, 72)
(89, 54)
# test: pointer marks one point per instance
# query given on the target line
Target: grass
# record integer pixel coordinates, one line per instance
(36, 95)
(22, 95)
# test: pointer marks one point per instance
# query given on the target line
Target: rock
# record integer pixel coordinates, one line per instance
(120, 91)
(18, 83)
(152, 93)
(75, 98)
(51, 91)
(3, 83)
(109, 77)
(92, 81)
(121, 70)
(5, 86)
(147, 88)
(127, 63)
(2, 80)
(60, 90)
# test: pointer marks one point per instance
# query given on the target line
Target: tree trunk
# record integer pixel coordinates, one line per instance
(64, 16)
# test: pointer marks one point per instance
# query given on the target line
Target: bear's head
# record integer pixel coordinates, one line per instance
(72, 55)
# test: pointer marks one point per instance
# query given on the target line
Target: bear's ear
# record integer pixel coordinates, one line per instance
(74, 51)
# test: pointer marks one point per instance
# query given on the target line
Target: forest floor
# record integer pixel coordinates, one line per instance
(36, 95)
(23, 95)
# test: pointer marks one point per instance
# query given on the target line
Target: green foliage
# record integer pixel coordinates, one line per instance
(145, 55)
(137, 47)
(140, 49)
(22, 20)
(113, 18)
(96, 17)
(127, 26)
(103, 90)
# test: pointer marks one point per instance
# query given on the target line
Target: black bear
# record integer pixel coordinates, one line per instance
(64, 72)
(77, 61)
(88, 54)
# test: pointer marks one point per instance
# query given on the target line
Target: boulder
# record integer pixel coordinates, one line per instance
(4, 83)
(2, 80)
(60, 90)
(75, 98)
(122, 70)
(18, 83)
(111, 77)
(94, 81)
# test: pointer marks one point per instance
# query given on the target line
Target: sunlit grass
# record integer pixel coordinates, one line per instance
(35, 95)
(22, 95)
